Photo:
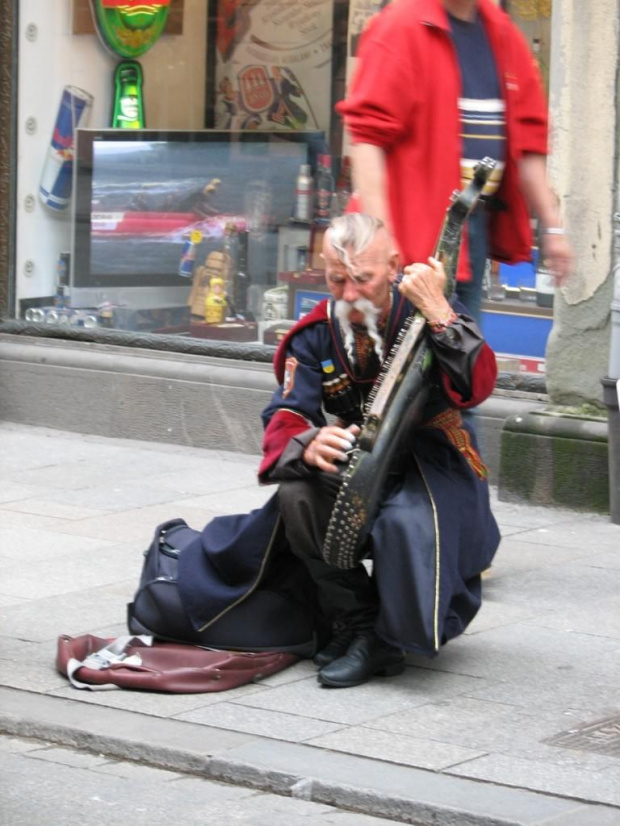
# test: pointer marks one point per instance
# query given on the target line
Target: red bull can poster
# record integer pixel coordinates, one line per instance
(57, 177)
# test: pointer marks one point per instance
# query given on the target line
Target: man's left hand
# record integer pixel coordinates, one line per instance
(423, 285)
(558, 257)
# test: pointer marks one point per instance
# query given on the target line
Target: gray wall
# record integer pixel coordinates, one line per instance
(166, 397)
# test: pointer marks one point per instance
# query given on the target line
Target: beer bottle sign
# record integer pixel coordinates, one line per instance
(128, 100)
(129, 28)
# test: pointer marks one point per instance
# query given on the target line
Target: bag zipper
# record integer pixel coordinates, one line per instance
(168, 550)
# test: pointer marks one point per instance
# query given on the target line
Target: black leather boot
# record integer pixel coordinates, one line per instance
(337, 647)
(367, 656)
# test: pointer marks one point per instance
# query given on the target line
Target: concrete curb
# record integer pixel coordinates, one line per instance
(555, 460)
(358, 784)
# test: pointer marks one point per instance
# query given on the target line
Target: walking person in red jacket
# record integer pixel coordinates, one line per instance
(439, 85)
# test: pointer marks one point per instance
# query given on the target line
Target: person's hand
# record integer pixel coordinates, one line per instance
(557, 255)
(330, 445)
(423, 285)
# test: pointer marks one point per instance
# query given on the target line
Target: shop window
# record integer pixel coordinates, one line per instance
(178, 179)
(181, 163)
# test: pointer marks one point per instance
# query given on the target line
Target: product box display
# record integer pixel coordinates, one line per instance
(275, 332)
(225, 331)
(305, 290)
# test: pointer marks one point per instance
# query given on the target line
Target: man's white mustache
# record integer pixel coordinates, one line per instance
(370, 313)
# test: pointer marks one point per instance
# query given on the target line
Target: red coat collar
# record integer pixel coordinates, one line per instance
(316, 315)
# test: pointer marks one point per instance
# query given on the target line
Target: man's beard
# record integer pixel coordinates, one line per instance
(371, 315)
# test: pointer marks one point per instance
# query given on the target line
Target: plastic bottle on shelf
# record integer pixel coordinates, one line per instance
(334, 206)
(324, 187)
(215, 301)
(63, 268)
(343, 186)
(241, 281)
(303, 194)
(230, 248)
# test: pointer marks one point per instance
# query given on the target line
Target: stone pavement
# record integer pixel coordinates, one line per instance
(516, 722)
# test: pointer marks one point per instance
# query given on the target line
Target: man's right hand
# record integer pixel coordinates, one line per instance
(330, 445)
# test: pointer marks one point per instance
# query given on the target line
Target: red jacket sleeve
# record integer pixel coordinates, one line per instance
(484, 375)
(282, 427)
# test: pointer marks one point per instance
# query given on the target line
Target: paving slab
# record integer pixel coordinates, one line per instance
(602, 786)
(275, 724)
(517, 554)
(215, 476)
(493, 727)
(89, 569)
(13, 492)
(25, 544)
(134, 526)
(6, 600)
(74, 614)
(119, 496)
(599, 620)
(495, 613)
(404, 749)
(157, 705)
(46, 506)
(523, 654)
(228, 501)
(543, 590)
(412, 689)
(577, 534)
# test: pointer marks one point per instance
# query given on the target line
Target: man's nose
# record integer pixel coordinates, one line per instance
(350, 292)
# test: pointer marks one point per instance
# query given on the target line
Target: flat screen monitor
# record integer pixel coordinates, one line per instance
(140, 194)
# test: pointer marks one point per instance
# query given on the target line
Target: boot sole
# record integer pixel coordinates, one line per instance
(392, 670)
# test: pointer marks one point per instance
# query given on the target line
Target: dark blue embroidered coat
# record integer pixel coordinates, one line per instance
(434, 533)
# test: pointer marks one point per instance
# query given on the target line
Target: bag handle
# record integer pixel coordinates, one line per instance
(113, 652)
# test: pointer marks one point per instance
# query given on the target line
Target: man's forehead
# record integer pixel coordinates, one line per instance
(368, 257)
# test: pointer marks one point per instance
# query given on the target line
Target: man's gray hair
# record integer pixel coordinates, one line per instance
(355, 230)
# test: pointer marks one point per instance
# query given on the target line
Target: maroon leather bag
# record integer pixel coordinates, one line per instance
(147, 665)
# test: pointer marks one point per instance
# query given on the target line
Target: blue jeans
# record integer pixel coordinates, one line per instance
(470, 292)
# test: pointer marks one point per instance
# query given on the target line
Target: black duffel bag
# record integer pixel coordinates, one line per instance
(275, 616)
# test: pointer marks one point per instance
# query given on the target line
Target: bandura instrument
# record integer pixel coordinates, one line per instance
(396, 402)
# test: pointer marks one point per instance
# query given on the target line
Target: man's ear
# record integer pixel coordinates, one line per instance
(393, 264)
